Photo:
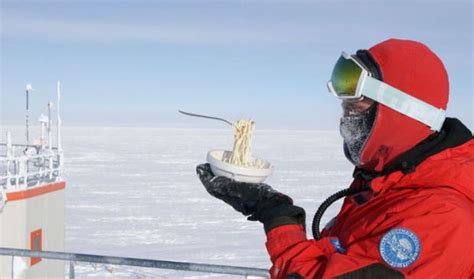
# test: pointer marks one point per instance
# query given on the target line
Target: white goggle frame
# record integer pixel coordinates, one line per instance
(393, 98)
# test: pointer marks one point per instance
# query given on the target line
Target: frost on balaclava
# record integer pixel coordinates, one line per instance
(355, 130)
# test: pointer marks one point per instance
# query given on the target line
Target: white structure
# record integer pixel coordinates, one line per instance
(32, 201)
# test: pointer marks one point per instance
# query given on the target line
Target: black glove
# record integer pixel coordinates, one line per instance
(258, 201)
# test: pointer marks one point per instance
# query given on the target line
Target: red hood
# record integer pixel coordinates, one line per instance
(413, 68)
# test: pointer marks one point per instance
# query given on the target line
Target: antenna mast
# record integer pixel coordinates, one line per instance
(58, 117)
(50, 142)
(28, 89)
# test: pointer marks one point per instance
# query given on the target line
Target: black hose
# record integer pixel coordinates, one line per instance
(322, 208)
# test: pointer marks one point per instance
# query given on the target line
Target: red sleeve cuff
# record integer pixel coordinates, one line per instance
(280, 239)
(284, 229)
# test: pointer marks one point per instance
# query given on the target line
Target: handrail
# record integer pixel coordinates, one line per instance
(27, 170)
(24, 145)
(183, 266)
(29, 157)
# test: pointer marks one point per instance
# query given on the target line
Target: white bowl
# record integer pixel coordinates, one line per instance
(238, 173)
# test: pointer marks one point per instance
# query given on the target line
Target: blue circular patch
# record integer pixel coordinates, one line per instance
(400, 247)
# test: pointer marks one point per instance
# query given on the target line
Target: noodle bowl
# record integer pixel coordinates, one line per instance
(239, 164)
(239, 173)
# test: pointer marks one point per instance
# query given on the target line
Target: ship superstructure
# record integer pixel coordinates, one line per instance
(32, 192)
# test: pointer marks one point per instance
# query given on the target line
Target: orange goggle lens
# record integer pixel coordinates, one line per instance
(345, 77)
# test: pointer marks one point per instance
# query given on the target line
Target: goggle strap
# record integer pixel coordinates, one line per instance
(403, 103)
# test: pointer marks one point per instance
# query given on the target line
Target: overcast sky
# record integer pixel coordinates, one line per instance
(135, 63)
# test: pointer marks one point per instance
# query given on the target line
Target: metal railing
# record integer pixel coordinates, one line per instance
(20, 169)
(136, 262)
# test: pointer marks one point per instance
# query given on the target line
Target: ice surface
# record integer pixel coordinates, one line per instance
(134, 192)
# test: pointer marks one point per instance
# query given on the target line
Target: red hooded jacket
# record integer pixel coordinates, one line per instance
(415, 221)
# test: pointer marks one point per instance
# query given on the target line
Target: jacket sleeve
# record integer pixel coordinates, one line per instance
(294, 256)
(444, 231)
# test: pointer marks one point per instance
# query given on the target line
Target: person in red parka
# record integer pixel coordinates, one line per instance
(409, 213)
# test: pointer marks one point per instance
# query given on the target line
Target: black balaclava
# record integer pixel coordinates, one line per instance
(355, 129)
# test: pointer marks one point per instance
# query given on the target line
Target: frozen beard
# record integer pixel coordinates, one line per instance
(355, 130)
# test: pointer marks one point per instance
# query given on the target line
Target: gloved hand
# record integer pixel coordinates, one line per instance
(258, 201)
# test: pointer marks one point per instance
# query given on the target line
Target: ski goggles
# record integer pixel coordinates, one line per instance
(351, 81)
